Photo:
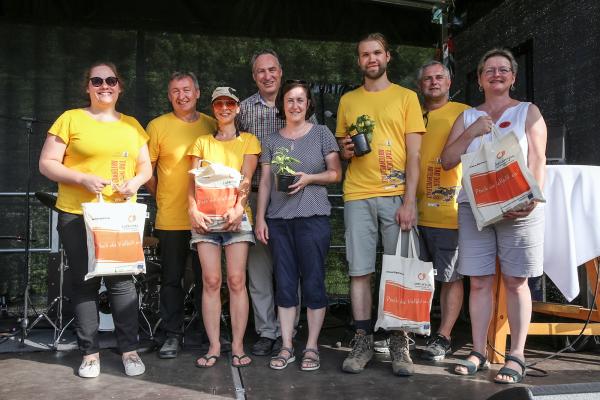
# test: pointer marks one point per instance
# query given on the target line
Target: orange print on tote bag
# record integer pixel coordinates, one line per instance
(497, 180)
(216, 191)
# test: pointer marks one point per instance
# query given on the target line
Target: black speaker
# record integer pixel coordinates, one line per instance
(53, 287)
(572, 391)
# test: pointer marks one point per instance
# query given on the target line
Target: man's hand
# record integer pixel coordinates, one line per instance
(406, 216)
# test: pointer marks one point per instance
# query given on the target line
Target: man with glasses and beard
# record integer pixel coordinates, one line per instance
(438, 209)
(379, 190)
(171, 135)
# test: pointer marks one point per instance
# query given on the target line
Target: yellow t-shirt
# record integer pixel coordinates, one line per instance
(230, 153)
(107, 149)
(437, 190)
(170, 139)
(396, 112)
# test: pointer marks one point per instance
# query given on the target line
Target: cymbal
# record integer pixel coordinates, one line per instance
(150, 241)
(47, 199)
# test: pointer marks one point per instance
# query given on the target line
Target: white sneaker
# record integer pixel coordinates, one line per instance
(89, 368)
(133, 365)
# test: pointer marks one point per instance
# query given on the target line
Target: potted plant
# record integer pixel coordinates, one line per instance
(364, 127)
(284, 176)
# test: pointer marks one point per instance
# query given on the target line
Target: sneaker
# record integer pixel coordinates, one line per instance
(89, 368)
(402, 364)
(437, 348)
(382, 346)
(133, 365)
(361, 353)
(263, 346)
(169, 348)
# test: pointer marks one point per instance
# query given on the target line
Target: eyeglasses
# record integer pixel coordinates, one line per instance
(426, 118)
(501, 71)
(110, 81)
(229, 104)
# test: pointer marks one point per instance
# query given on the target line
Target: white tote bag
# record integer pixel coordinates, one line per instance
(114, 238)
(497, 180)
(405, 291)
(217, 189)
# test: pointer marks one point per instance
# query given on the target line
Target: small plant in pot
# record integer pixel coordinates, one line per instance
(284, 176)
(364, 127)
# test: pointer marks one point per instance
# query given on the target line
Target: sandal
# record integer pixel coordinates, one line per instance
(471, 367)
(314, 362)
(511, 373)
(206, 359)
(280, 357)
(239, 360)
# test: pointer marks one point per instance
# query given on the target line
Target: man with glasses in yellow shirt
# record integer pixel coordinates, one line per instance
(436, 195)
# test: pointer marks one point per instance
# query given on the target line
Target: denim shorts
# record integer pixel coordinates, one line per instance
(221, 238)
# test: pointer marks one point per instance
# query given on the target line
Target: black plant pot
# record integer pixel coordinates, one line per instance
(283, 182)
(361, 144)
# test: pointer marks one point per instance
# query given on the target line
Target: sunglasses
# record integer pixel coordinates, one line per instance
(110, 81)
(290, 81)
(229, 104)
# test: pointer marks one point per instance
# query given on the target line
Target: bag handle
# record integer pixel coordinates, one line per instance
(412, 250)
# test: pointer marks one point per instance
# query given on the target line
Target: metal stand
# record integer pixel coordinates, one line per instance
(24, 322)
(57, 325)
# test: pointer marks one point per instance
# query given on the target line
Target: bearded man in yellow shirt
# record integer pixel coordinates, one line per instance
(171, 135)
(379, 190)
(436, 195)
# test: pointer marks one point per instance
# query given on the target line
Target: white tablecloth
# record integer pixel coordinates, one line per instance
(572, 223)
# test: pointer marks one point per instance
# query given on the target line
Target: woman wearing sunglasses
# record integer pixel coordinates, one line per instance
(239, 150)
(95, 151)
(296, 224)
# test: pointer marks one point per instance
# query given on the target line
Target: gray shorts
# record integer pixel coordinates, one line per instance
(440, 246)
(221, 238)
(364, 219)
(518, 243)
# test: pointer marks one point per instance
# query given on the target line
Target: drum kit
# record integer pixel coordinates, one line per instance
(147, 285)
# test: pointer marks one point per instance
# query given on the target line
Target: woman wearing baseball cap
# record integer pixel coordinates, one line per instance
(239, 150)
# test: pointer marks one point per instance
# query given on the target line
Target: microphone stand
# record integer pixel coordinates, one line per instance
(25, 320)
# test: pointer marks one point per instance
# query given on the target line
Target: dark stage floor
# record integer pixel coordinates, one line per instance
(35, 373)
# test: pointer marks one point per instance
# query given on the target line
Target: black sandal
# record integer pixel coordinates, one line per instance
(239, 360)
(206, 359)
(471, 367)
(511, 373)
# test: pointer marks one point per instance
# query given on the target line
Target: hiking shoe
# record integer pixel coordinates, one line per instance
(89, 368)
(361, 353)
(402, 364)
(437, 348)
(133, 365)
(169, 348)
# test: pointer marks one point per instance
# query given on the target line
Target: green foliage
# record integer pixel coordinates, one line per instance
(365, 125)
(283, 161)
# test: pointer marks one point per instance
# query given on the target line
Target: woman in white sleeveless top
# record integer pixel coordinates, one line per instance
(517, 240)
